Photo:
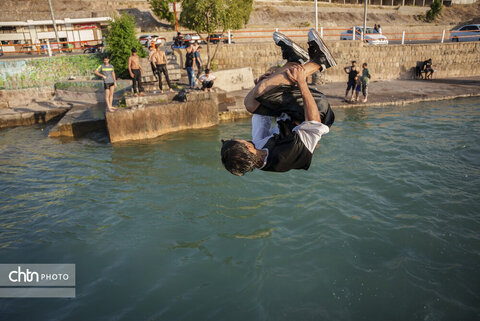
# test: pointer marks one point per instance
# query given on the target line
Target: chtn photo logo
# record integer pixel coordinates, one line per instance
(20, 280)
(28, 276)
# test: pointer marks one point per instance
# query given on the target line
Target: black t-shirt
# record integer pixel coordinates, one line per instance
(189, 59)
(352, 74)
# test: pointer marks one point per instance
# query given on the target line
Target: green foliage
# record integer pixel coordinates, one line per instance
(120, 41)
(435, 9)
(208, 16)
(160, 9)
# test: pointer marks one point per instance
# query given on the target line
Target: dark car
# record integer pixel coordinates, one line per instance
(217, 37)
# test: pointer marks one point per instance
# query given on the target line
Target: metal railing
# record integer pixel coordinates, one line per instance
(331, 34)
(48, 47)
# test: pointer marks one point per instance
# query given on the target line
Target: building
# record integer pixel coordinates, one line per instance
(20, 36)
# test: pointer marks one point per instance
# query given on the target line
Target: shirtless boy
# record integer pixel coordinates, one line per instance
(135, 70)
(160, 61)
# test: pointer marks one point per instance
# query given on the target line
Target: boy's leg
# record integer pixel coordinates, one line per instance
(107, 98)
(275, 80)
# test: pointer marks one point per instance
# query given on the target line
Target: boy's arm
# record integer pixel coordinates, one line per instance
(130, 66)
(297, 74)
(114, 78)
(96, 72)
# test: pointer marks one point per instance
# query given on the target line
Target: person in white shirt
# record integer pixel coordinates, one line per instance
(207, 80)
(303, 113)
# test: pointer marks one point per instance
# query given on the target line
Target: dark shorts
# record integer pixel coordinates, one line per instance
(358, 88)
(351, 85)
(107, 86)
(288, 99)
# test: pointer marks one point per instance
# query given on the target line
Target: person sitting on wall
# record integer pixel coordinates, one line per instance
(303, 113)
(428, 68)
(207, 80)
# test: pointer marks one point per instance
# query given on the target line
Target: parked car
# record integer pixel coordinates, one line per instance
(371, 36)
(192, 37)
(144, 39)
(217, 37)
(466, 33)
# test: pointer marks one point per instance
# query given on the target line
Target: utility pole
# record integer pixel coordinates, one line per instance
(364, 19)
(53, 20)
(316, 16)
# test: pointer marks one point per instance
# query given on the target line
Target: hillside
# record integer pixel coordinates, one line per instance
(265, 14)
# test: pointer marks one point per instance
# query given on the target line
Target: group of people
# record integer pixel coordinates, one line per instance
(357, 82)
(194, 67)
(377, 28)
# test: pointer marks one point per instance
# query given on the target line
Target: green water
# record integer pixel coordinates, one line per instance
(384, 226)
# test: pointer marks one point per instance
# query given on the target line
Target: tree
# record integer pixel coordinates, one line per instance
(160, 9)
(208, 16)
(435, 9)
(120, 41)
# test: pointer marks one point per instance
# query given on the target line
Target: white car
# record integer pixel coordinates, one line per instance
(466, 33)
(371, 36)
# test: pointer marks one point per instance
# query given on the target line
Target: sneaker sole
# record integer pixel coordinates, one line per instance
(323, 47)
(277, 37)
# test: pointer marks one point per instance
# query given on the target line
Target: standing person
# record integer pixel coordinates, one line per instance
(365, 80)
(135, 70)
(375, 27)
(152, 63)
(189, 65)
(207, 80)
(198, 61)
(303, 114)
(352, 72)
(160, 60)
(358, 88)
(107, 72)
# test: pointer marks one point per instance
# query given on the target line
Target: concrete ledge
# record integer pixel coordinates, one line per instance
(152, 120)
(234, 79)
(79, 121)
(24, 116)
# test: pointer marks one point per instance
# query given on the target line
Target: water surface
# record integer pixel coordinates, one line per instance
(384, 225)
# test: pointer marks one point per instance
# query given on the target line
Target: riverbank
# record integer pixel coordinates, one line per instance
(381, 93)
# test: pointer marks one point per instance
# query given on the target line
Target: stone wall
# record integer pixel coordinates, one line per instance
(152, 120)
(384, 62)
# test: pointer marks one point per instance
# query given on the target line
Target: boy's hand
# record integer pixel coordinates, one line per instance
(296, 74)
(262, 77)
(131, 75)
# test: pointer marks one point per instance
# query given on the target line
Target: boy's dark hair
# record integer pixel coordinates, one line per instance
(134, 50)
(236, 157)
(354, 62)
(365, 64)
(106, 57)
(207, 71)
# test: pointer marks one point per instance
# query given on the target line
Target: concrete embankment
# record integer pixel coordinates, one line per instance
(385, 62)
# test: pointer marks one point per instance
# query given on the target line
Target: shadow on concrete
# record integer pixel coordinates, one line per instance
(145, 20)
(466, 82)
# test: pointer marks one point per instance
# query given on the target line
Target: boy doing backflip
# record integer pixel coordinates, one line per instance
(303, 113)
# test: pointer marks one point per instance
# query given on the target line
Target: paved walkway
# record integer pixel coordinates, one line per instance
(401, 92)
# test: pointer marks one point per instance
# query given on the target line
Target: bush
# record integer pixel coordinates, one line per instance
(120, 40)
(435, 9)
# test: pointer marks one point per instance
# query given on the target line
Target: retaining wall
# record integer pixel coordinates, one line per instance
(384, 62)
(152, 120)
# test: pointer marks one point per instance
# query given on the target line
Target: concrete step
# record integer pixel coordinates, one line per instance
(80, 121)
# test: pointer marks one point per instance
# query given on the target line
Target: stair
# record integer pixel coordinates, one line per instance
(150, 82)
